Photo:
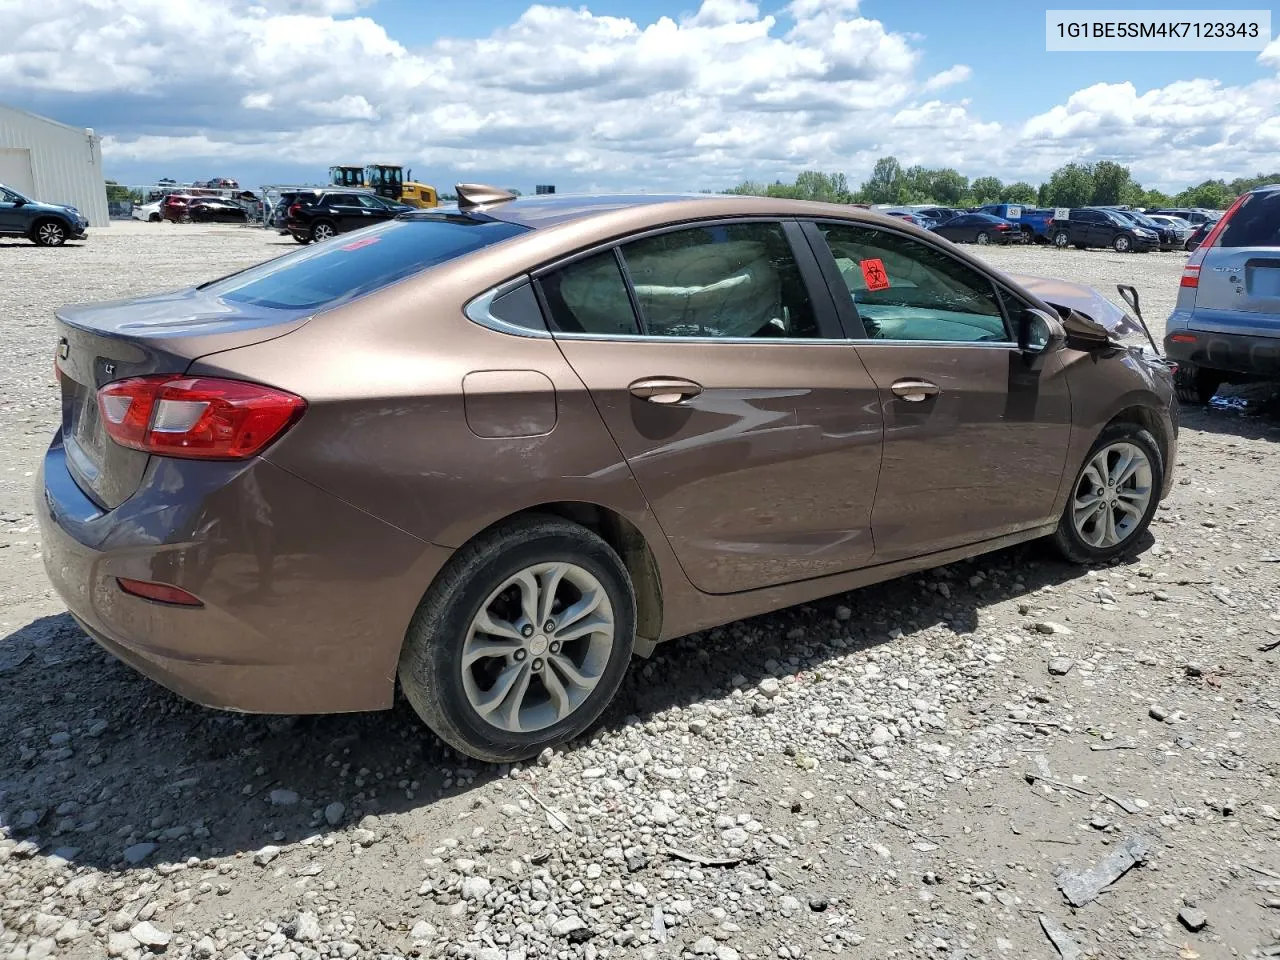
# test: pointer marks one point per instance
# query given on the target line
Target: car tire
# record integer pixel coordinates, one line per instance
(1085, 534)
(154, 218)
(1061, 239)
(323, 230)
(299, 239)
(480, 580)
(185, 218)
(1194, 384)
(48, 233)
(983, 238)
(1122, 244)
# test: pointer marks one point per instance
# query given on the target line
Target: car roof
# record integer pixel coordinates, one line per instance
(654, 210)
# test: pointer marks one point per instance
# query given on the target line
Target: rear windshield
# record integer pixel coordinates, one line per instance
(358, 263)
(1256, 222)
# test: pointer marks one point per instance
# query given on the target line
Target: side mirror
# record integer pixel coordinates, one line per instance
(1039, 334)
(19, 201)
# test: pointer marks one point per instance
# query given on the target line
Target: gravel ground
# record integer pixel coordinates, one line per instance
(911, 770)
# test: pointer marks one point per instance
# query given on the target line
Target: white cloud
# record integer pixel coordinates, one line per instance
(949, 77)
(566, 96)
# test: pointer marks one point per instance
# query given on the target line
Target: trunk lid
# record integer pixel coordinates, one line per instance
(100, 343)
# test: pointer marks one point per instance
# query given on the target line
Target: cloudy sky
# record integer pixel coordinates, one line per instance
(611, 94)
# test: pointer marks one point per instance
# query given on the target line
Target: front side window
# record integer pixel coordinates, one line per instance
(723, 280)
(908, 290)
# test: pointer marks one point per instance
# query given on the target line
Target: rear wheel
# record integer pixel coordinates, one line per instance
(49, 233)
(1114, 496)
(323, 231)
(1122, 243)
(1195, 385)
(983, 238)
(154, 218)
(301, 239)
(522, 640)
(1061, 238)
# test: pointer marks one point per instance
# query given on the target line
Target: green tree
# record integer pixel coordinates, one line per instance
(1020, 192)
(1110, 183)
(1154, 199)
(828, 188)
(987, 190)
(949, 186)
(1069, 186)
(1213, 194)
(886, 182)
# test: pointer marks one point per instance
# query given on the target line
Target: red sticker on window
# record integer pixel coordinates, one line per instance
(873, 272)
(362, 242)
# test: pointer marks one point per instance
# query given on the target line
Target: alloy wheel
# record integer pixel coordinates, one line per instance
(321, 232)
(1061, 239)
(1112, 494)
(983, 239)
(51, 234)
(538, 647)
(1122, 244)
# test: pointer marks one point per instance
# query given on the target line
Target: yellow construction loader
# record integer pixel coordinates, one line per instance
(386, 180)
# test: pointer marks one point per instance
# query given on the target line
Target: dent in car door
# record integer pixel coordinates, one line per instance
(750, 425)
(975, 440)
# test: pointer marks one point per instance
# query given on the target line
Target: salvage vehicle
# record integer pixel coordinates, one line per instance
(1032, 221)
(1095, 227)
(1225, 326)
(44, 224)
(320, 214)
(497, 448)
(981, 228)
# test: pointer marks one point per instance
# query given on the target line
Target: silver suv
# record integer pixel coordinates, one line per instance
(1225, 327)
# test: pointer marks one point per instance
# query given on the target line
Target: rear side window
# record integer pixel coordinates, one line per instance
(590, 296)
(349, 267)
(1256, 222)
(726, 280)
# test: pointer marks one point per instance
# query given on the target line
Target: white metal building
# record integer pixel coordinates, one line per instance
(53, 163)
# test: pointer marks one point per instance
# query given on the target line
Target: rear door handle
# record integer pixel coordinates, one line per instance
(665, 389)
(914, 391)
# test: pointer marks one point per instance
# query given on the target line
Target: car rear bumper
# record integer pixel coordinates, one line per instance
(1229, 352)
(305, 599)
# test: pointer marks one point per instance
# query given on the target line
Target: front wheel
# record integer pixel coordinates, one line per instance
(1061, 239)
(1114, 496)
(522, 640)
(1195, 385)
(49, 233)
(1122, 244)
(154, 218)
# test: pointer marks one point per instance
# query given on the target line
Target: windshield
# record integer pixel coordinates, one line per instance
(345, 268)
(12, 196)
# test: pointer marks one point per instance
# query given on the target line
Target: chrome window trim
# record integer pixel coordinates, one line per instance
(479, 310)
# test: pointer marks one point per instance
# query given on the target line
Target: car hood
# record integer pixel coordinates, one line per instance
(1104, 315)
(63, 208)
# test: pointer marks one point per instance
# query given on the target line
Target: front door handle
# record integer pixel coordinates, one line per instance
(914, 391)
(665, 389)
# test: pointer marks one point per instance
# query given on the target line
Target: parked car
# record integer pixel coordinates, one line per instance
(1193, 215)
(1090, 227)
(216, 210)
(937, 214)
(1198, 235)
(1166, 236)
(1225, 326)
(978, 228)
(499, 448)
(148, 212)
(322, 214)
(1032, 221)
(923, 222)
(44, 224)
(176, 207)
(1181, 228)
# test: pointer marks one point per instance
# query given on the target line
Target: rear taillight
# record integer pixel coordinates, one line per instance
(1183, 337)
(294, 208)
(158, 592)
(199, 417)
(1190, 276)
